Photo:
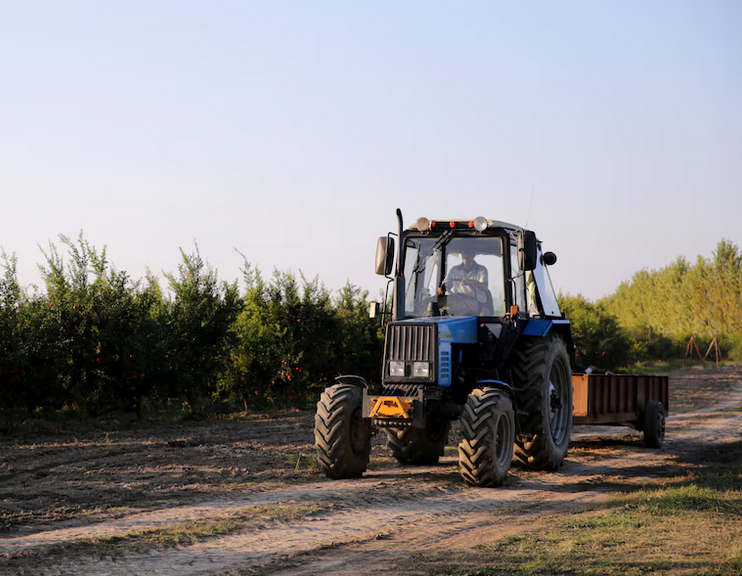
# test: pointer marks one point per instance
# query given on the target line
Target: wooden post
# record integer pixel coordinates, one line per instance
(717, 353)
(689, 350)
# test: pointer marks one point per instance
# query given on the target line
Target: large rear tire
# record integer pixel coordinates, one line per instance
(544, 397)
(488, 427)
(419, 446)
(342, 438)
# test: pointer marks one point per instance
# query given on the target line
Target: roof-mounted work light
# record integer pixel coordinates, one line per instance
(423, 224)
(481, 223)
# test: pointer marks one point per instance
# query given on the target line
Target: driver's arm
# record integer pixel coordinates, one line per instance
(481, 283)
(483, 278)
(448, 282)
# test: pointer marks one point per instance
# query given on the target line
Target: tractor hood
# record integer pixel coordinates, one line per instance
(456, 329)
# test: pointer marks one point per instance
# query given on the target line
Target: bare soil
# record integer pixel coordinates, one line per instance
(63, 495)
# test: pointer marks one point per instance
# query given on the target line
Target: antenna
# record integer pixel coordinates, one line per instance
(529, 209)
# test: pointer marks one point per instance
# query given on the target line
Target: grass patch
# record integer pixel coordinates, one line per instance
(691, 527)
(690, 498)
(303, 462)
(663, 366)
(679, 365)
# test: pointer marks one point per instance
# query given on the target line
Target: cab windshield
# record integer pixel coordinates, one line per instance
(453, 276)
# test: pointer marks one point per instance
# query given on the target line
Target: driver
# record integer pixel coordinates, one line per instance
(467, 279)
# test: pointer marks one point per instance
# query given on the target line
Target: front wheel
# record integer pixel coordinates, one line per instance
(488, 427)
(342, 437)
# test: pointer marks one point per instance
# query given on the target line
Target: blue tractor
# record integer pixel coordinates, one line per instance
(474, 334)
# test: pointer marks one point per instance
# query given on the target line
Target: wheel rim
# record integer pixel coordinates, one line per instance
(502, 446)
(660, 426)
(558, 403)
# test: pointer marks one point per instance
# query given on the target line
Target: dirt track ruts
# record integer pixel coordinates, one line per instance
(373, 525)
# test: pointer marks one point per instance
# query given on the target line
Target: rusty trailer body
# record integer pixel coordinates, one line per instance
(640, 402)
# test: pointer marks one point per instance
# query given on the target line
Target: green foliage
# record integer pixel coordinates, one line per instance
(652, 317)
(96, 341)
(258, 347)
(359, 347)
(662, 309)
(293, 339)
(599, 339)
(197, 328)
(732, 346)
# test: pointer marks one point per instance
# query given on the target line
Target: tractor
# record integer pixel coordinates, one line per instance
(473, 333)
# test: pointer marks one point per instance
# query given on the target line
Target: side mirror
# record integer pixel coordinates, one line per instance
(527, 250)
(384, 256)
(373, 309)
(548, 258)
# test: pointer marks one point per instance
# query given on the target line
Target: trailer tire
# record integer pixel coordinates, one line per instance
(544, 399)
(419, 446)
(488, 428)
(342, 437)
(654, 424)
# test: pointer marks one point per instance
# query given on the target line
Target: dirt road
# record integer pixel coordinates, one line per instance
(65, 496)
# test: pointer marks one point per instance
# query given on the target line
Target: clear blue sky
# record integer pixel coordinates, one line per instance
(292, 130)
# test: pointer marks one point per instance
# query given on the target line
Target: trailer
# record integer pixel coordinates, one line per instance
(638, 401)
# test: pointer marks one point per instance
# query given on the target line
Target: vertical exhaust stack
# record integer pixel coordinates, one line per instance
(399, 295)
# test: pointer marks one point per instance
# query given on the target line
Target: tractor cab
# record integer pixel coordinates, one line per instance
(479, 267)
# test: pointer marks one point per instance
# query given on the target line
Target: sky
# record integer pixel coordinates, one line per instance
(291, 131)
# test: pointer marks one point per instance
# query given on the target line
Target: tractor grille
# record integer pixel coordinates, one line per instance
(411, 342)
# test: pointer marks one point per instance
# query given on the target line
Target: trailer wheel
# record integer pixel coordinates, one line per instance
(654, 424)
(419, 446)
(488, 427)
(342, 438)
(544, 397)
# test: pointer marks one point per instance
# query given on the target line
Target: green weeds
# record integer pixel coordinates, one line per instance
(303, 462)
(689, 527)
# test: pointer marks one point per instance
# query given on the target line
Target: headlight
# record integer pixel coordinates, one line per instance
(421, 369)
(396, 368)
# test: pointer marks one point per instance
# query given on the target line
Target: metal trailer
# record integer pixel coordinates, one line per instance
(638, 401)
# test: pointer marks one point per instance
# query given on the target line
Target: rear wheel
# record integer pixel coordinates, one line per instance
(342, 437)
(488, 427)
(544, 396)
(417, 446)
(654, 424)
